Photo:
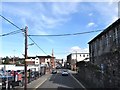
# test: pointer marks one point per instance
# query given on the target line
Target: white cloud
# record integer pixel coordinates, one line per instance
(78, 49)
(108, 12)
(110, 2)
(41, 32)
(90, 24)
(112, 20)
(50, 16)
(52, 22)
(50, 40)
(90, 14)
(64, 8)
(42, 17)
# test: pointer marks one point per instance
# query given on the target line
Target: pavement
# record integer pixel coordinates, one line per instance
(36, 83)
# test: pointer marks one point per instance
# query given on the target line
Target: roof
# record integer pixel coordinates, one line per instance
(77, 53)
(80, 53)
(106, 30)
(45, 56)
(33, 57)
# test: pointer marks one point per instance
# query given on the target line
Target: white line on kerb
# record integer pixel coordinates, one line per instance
(78, 82)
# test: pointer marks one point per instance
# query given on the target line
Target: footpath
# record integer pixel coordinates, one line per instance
(35, 84)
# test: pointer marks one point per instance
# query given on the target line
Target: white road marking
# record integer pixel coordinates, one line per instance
(78, 82)
(40, 84)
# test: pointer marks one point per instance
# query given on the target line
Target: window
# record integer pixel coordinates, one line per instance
(119, 34)
(107, 38)
(84, 55)
(105, 43)
(113, 35)
(116, 35)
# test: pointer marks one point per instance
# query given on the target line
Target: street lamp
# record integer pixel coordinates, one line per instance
(30, 44)
(13, 57)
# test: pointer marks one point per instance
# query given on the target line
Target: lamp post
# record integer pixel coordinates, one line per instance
(30, 44)
(76, 62)
(14, 57)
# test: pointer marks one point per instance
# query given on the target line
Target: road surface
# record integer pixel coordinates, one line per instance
(57, 81)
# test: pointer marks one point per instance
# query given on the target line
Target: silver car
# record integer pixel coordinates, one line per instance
(65, 73)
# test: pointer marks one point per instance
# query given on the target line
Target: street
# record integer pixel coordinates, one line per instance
(80, 40)
(57, 81)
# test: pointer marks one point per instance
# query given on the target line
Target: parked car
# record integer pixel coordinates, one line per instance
(54, 71)
(6, 80)
(64, 73)
(58, 67)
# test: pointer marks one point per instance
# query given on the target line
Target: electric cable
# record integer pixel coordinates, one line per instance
(11, 33)
(73, 34)
(22, 30)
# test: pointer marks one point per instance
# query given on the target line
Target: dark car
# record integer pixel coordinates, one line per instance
(54, 71)
(58, 67)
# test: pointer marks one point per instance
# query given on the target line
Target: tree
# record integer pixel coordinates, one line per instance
(6, 60)
(17, 62)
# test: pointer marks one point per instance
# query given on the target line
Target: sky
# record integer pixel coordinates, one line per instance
(49, 18)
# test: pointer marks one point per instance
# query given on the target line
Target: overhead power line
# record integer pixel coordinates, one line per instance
(73, 34)
(37, 45)
(22, 30)
(11, 33)
(10, 22)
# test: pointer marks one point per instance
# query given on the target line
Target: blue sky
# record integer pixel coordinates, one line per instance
(44, 18)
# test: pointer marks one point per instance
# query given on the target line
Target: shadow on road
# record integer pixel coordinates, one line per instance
(84, 82)
(63, 88)
(65, 82)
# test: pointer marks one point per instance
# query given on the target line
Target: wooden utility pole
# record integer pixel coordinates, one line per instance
(25, 64)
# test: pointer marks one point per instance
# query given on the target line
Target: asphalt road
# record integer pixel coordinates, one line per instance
(57, 81)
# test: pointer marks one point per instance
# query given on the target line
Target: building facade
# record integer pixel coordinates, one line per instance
(48, 60)
(46, 63)
(73, 58)
(105, 53)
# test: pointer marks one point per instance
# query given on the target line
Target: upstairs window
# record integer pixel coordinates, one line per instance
(84, 55)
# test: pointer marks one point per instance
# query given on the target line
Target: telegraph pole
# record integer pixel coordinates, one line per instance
(25, 64)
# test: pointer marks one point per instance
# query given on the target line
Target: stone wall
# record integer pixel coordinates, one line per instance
(109, 77)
